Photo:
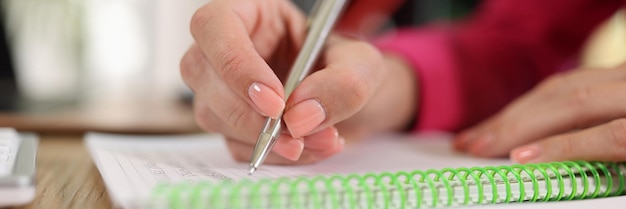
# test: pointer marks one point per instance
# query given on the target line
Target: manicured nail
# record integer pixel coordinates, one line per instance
(304, 117)
(268, 102)
(526, 154)
(290, 149)
(480, 144)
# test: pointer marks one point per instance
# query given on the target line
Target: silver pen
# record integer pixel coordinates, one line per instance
(321, 21)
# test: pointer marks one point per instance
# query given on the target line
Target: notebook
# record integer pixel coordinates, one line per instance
(390, 171)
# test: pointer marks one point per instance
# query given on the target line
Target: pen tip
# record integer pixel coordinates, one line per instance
(251, 171)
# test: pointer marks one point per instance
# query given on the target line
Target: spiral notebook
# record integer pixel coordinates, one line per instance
(196, 171)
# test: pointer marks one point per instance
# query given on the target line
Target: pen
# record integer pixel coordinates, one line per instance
(321, 21)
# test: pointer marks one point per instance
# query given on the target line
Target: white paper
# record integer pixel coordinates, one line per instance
(132, 165)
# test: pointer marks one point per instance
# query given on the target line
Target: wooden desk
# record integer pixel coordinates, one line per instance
(152, 116)
(66, 175)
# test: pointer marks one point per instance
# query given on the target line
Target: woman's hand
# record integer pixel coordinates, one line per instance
(580, 115)
(244, 49)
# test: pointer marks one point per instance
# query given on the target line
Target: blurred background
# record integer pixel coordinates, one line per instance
(112, 65)
(107, 65)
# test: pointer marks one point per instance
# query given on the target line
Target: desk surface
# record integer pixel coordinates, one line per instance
(66, 176)
(120, 116)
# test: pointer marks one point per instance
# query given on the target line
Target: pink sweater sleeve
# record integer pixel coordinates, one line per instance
(430, 53)
(469, 71)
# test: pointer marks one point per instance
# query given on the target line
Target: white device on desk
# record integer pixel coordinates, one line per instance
(18, 154)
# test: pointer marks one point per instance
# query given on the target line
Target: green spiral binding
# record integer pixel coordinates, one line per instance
(570, 180)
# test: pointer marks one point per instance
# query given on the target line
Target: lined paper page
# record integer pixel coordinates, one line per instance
(132, 165)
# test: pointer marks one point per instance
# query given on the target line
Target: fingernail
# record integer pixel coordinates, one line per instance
(480, 144)
(304, 117)
(461, 140)
(290, 149)
(526, 154)
(268, 102)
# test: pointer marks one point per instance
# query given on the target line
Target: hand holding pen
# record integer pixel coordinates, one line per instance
(245, 48)
(321, 21)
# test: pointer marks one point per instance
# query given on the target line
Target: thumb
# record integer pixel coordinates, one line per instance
(330, 95)
(606, 142)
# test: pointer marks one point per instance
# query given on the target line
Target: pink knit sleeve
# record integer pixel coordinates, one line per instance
(430, 54)
(470, 70)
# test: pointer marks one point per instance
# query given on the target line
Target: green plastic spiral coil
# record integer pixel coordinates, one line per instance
(570, 180)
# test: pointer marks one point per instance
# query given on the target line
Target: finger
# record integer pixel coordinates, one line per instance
(269, 27)
(288, 27)
(242, 152)
(338, 91)
(207, 120)
(566, 82)
(224, 37)
(463, 139)
(319, 143)
(481, 134)
(318, 146)
(296, 23)
(285, 146)
(291, 37)
(193, 66)
(327, 139)
(230, 113)
(606, 142)
(581, 108)
(281, 152)
(556, 87)
(194, 70)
